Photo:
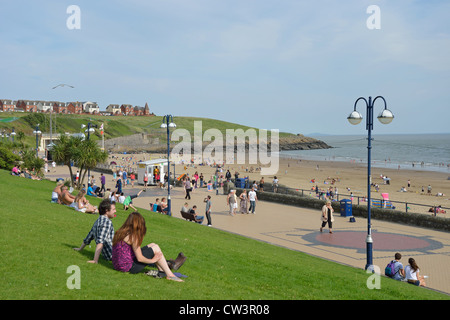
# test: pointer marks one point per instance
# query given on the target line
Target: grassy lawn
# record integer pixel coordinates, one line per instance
(37, 238)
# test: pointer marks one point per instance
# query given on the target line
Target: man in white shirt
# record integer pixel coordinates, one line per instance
(252, 198)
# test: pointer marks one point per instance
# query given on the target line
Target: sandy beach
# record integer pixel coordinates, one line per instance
(350, 178)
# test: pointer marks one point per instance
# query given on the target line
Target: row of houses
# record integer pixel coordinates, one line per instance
(72, 108)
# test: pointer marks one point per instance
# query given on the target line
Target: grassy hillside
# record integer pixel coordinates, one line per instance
(117, 126)
(37, 238)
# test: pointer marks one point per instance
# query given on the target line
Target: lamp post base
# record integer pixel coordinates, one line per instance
(169, 211)
(369, 246)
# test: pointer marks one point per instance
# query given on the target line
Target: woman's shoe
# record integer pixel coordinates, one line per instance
(179, 261)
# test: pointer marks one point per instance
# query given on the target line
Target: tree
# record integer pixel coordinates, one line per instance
(7, 158)
(85, 154)
(66, 150)
(89, 158)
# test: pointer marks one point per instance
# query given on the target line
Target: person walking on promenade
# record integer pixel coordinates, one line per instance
(261, 185)
(208, 209)
(243, 203)
(327, 216)
(412, 274)
(103, 182)
(252, 198)
(187, 188)
(232, 202)
(145, 180)
(119, 185)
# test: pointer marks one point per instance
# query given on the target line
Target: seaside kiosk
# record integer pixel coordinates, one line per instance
(155, 169)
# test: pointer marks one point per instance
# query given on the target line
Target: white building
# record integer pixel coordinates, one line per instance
(91, 107)
(114, 109)
(44, 106)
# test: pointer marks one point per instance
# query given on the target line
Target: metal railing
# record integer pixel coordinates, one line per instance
(380, 203)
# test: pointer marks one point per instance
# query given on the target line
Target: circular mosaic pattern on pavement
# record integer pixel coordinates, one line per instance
(381, 241)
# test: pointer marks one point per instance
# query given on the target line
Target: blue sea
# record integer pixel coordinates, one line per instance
(430, 152)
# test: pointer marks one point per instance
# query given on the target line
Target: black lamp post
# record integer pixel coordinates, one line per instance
(89, 126)
(37, 132)
(385, 117)
(13, 134)
(167, 123)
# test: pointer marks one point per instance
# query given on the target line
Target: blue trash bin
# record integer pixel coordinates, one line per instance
(239, 183)
(346, 208)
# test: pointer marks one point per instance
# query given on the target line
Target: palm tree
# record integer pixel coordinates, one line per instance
(85, 154)
(89, 158)
(67, 150)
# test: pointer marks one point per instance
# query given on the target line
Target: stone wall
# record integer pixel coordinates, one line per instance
(136, 142)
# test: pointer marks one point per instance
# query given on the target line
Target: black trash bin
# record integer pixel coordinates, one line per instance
(346, 208)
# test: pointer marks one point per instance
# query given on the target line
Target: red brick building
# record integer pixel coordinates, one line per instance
(7, 105)
(127, 109)
(27, 105)
(75, 107)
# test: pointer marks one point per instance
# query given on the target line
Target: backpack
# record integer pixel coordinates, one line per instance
(390, 269)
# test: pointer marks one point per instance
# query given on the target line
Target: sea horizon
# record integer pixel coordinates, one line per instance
(424, 152)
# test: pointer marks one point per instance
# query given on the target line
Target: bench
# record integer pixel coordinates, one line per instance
(190, 217)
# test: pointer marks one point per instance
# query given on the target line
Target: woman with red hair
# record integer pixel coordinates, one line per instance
(127, 254)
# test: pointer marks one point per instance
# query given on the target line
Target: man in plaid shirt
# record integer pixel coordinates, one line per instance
(102, 232)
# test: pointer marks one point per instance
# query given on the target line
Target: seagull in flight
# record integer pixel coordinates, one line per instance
(63, 85)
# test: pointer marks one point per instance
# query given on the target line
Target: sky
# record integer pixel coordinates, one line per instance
(296, 66)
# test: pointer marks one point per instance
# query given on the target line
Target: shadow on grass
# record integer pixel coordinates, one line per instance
(90, 255)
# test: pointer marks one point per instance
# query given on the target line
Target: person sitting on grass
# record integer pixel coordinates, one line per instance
(102, 232)
(412, 274)
(156, 207)
(164, 206)
(129, 200)
(66, 198)
(83, 204)
(90, 191)
(15, 171)
(127, 254)
(56, 193)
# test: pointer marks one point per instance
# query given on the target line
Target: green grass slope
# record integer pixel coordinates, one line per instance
(116, 126)
(37, 237)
